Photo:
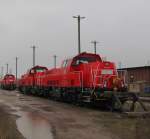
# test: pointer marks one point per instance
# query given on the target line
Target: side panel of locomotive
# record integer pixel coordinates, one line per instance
(63, 77)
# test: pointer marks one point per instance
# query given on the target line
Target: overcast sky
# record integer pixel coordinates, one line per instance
(123, 27)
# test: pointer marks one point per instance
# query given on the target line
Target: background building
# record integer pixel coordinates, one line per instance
(137, 78)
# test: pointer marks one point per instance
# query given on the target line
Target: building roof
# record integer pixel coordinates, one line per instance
(133, 68)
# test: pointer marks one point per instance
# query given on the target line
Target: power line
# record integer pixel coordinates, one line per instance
(79, 43)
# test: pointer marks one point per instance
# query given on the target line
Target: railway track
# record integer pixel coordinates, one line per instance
(145, 99)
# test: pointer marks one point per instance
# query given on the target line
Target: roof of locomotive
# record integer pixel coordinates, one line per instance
(84, 54)
(81, 55)
(37, 66)
(9, 75)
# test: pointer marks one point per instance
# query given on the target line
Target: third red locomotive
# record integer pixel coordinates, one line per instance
(8, 82)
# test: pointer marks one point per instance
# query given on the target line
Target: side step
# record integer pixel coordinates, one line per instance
(86, 99)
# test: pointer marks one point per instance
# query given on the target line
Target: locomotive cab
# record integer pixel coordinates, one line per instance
(9, 82)
(37, 70)
(85, 63)
(29, 80)
(85, 58)
(95, 73)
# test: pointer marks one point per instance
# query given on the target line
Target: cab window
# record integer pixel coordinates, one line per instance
(40, 70)
(84, 60)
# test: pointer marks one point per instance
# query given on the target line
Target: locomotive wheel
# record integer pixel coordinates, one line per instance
(32, 91)
(44, 92)
(93, 100)
(20, 89)
(24, 90)
(79, 100)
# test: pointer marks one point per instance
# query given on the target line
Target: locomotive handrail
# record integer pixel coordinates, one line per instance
(94, 82)
(96, 76)
(102, 76)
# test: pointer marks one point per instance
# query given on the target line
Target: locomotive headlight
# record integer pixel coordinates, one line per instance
(115, 88)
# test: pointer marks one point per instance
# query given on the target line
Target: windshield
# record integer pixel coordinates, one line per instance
(85, 60)
(40, 70)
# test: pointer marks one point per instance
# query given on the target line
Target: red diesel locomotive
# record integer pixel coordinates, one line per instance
(8, 82)
(32, 79)
(83, 78)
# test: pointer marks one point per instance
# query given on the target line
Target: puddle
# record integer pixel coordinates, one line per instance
(15, 108)
(24, 99)
(46, 108)
(30, 124)
(33, 126)
(34, 104)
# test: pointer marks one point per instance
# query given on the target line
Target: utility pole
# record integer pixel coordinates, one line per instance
(79, 19)
(55, 57)
(2, 71)
(16, 68)
(33, 47)
(7, 68)
(95, 44)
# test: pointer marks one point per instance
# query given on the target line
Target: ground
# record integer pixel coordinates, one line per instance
(32, 117)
